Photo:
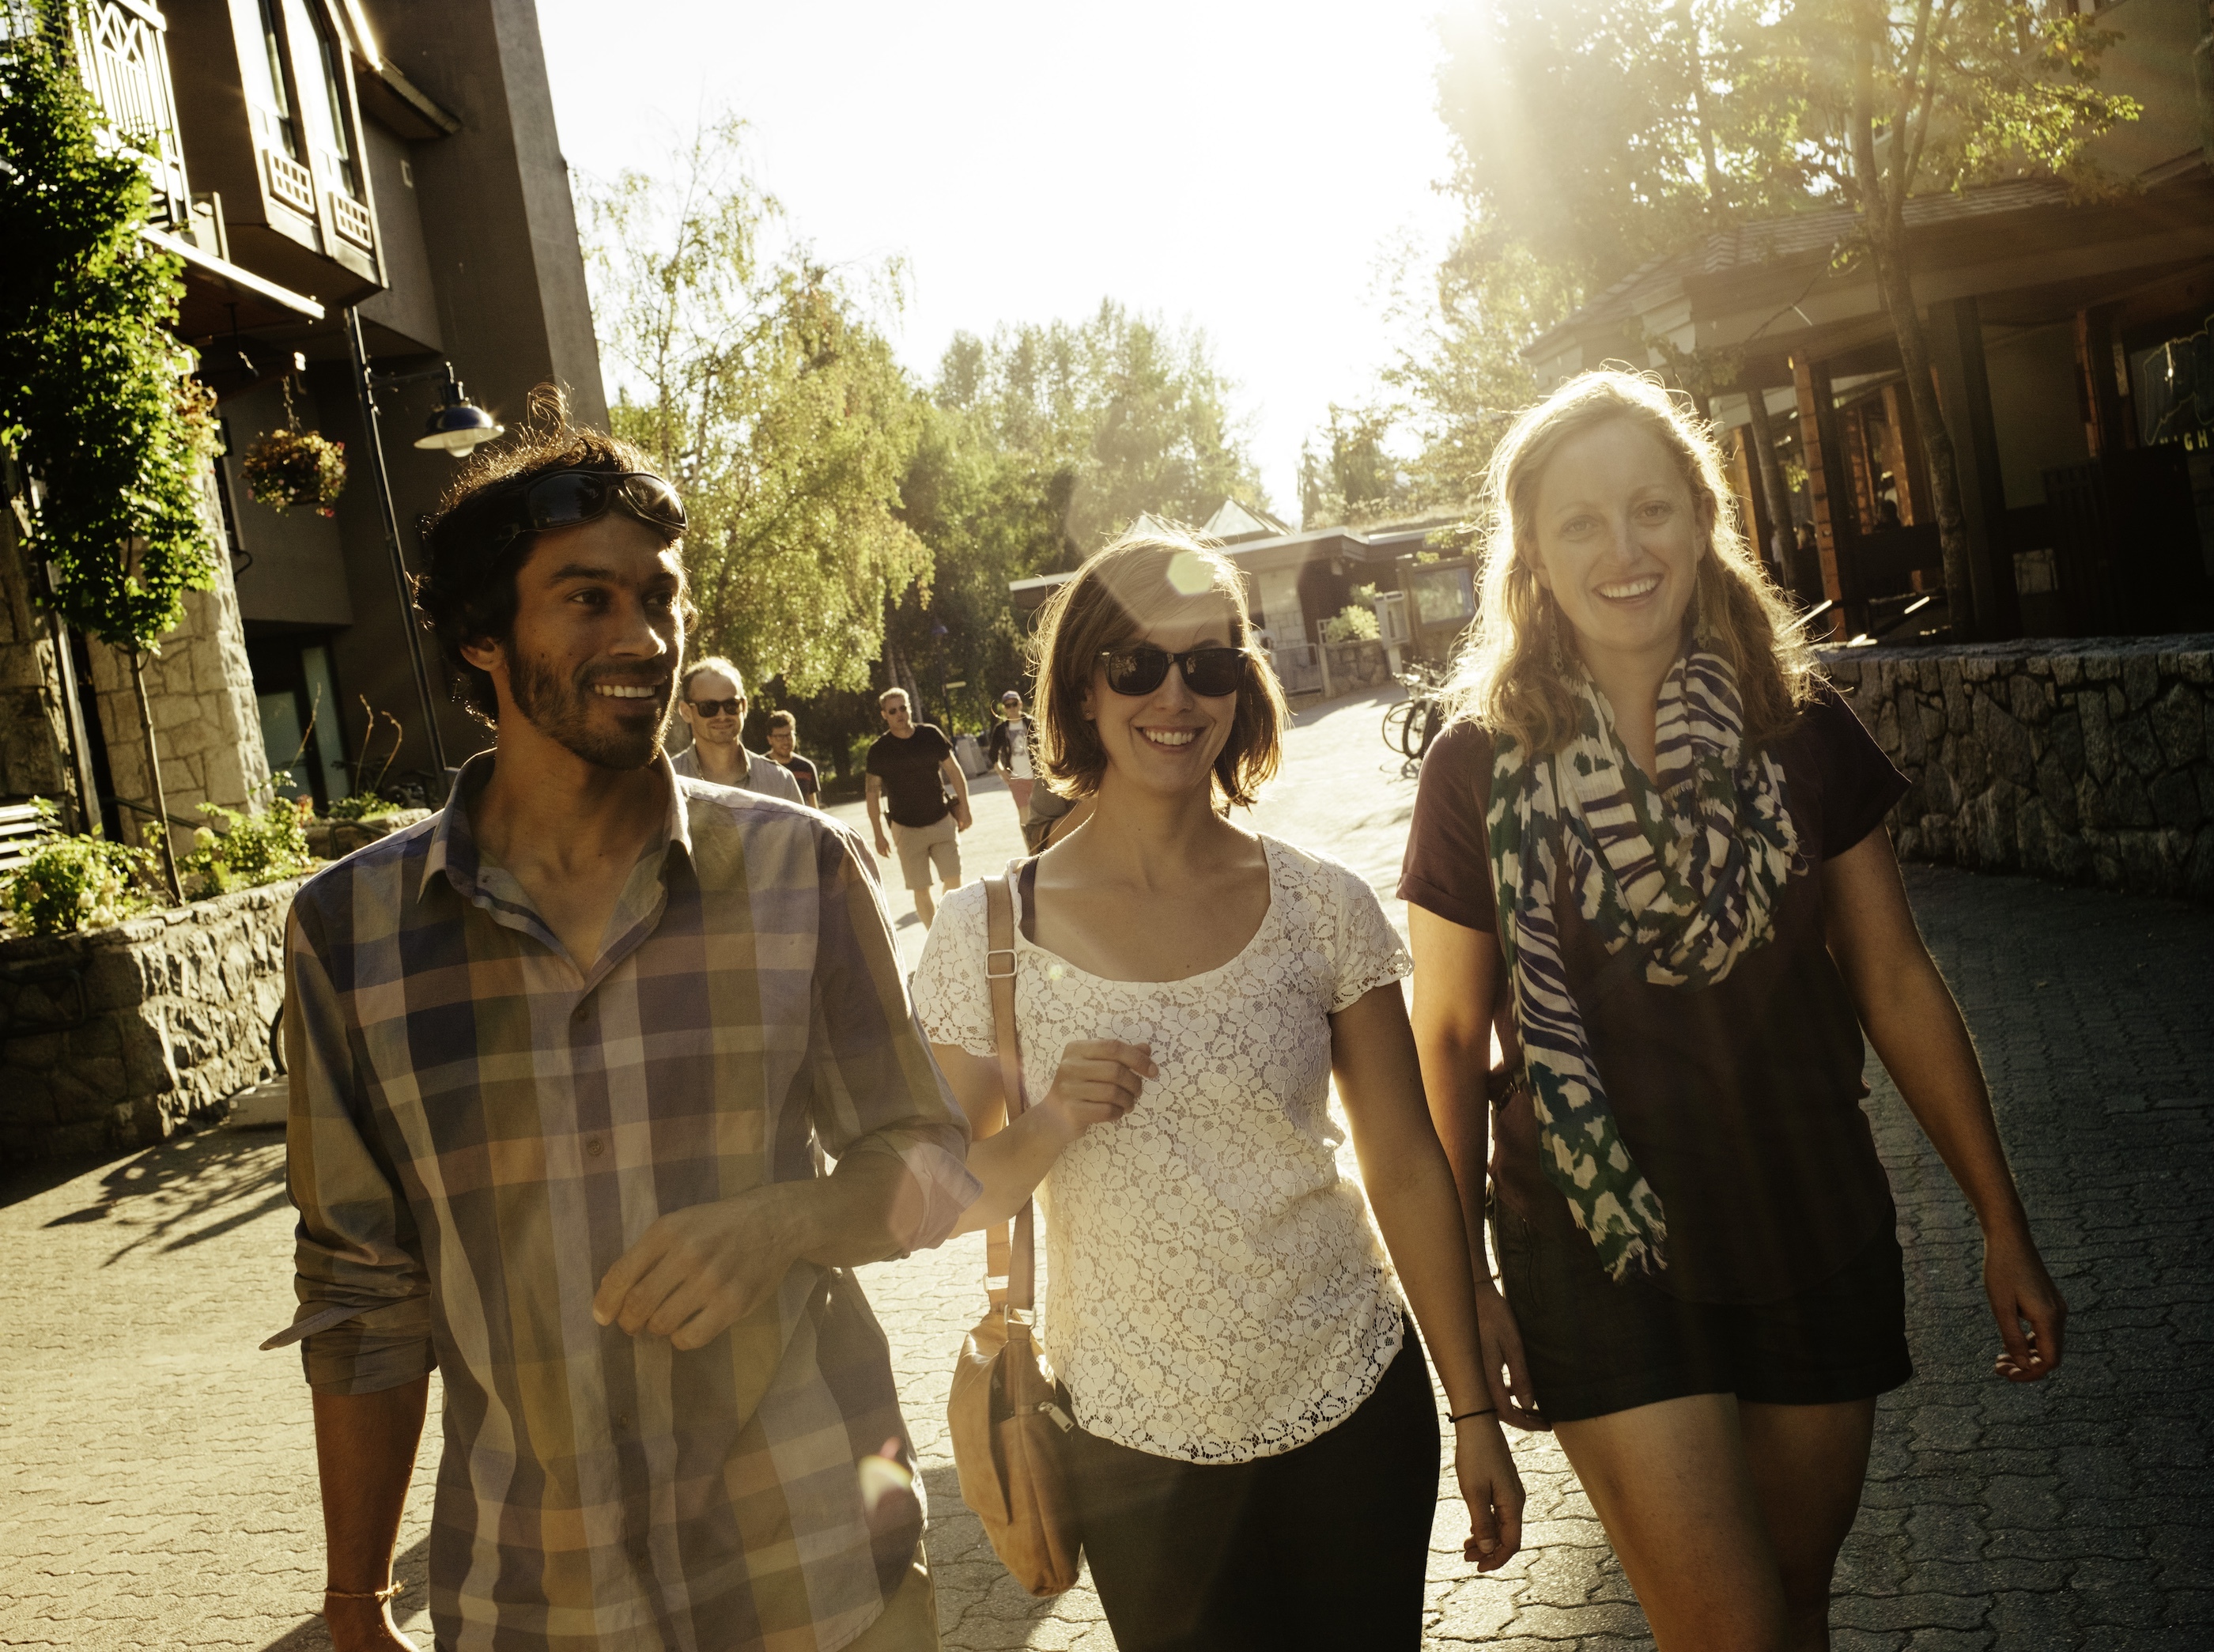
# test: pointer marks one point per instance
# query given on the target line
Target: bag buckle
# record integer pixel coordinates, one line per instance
(1006, 952)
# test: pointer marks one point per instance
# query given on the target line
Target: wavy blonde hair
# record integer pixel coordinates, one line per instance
(1508, 678)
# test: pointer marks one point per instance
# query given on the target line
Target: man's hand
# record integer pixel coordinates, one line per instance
(883, 846)
(697, 1272)
(962, 820)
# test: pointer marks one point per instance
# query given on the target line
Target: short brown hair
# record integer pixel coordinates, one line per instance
(1111, 601)
(467, 590)
(783, 720)
(716, 664)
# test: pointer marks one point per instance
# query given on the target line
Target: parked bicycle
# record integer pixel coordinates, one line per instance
(1410, 724)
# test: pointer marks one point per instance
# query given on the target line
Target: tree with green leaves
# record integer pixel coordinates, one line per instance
(1118, 414)
(1595, 136)
(1347, 472)
(750, 373)
(95, 394)
(1878, 100)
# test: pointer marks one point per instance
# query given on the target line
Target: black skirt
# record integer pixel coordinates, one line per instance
(1595, 1346)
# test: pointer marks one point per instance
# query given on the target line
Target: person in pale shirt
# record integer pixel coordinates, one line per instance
(711, 701)
(1253, 1459)
(1007, 748)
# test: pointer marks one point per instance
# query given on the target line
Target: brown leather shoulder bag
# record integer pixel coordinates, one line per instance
(1006, 1424)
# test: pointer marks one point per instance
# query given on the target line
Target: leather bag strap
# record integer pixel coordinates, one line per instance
(999, 975)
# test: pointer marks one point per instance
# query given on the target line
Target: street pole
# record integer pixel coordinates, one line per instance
(366, 389)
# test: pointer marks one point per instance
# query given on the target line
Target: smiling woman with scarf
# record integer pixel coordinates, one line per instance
(1649, 853)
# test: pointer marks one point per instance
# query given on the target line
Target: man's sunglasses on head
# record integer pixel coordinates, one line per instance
(569, 499)
(1210, 673)
(719, 707)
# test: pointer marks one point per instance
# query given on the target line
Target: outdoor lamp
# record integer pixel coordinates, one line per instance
(459, 424)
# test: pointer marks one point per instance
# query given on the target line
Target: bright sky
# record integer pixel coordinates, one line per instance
(1245, 167)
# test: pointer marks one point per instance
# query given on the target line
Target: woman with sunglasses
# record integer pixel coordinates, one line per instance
(1255, 1462)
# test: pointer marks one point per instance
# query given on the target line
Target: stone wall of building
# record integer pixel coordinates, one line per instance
(109, 1041)
(199, 689)
(2087, 760)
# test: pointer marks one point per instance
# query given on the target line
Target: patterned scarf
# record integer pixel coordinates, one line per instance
(1678, 876)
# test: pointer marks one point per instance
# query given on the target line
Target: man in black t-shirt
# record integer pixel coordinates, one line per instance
(909, 767)
(783, 739)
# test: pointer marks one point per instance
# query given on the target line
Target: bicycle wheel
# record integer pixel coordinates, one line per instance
(1399, 725)
(1426, 728)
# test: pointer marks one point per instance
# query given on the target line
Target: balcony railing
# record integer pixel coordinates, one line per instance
(122, 53)
(353, 221)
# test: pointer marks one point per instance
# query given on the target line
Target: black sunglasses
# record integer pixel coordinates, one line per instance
(719, 707)
(567, 498)
(1210, 673)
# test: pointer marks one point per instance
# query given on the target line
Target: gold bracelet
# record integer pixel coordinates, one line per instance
(390, 1591)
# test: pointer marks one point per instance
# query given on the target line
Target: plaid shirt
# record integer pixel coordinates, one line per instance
(479, 1130)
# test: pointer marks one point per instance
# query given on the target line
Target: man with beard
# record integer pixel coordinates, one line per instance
(564, 1062)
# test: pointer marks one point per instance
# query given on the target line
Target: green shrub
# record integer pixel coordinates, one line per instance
(245, 850)
(70, 883)
(363, 805)
(1352, 623)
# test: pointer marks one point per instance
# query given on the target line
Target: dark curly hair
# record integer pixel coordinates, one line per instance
(467, 592)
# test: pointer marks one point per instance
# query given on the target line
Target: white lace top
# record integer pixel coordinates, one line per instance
(1216, 1290)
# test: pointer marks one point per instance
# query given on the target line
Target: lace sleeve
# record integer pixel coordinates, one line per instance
(1367, 950)
(950, 999)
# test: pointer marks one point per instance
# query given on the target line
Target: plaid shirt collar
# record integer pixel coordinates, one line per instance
(454, 854)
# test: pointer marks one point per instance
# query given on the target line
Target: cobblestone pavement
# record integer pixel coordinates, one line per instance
(157, 1474)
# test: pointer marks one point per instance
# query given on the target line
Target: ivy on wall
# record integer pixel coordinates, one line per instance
(96, 392)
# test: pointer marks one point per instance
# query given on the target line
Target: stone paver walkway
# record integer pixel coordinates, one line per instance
(157, 1474)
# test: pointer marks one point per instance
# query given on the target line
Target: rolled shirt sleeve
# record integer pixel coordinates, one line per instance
(876, 1088)
(364, 1316)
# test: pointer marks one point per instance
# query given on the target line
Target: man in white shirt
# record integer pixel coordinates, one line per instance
(712, 700)
(1008, 749)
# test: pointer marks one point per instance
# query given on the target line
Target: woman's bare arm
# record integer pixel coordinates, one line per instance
(1915, 1027)
(1099, 1080)
(1456, 983)
(1411, 1188)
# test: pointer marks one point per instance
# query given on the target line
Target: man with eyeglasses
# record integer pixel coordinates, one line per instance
(564, 1061)
(712, 700)
(910, 766)
(783, 745)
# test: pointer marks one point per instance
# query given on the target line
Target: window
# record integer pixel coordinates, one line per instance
(265, 79)
(328, 125)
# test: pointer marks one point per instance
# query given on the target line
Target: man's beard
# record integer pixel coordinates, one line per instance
(561, 709)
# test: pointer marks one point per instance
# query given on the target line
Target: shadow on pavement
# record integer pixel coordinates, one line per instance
(189, 1190)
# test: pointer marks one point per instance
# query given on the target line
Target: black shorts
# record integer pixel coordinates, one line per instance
(1595, 1346)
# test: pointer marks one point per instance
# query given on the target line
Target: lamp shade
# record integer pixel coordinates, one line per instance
(459, 424)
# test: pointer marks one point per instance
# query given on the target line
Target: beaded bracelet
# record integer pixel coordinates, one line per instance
(390, 1591)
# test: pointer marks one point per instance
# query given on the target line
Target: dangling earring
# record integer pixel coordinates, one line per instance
(1704, 636)
(1553, 630)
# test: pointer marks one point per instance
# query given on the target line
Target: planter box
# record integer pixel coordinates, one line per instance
(1357, 665)
(110, 1039)
(334, 840)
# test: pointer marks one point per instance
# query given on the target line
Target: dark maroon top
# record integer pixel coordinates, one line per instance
(1740, 1101)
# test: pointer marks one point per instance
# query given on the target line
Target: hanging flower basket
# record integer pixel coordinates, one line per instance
(295, 467)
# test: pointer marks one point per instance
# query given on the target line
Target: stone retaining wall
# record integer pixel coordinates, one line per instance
(109, 1040)
(2088, 760)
